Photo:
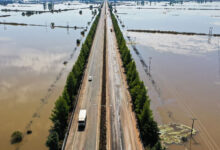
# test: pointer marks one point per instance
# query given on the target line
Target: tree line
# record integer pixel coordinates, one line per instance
(64, 104)
(149, 132)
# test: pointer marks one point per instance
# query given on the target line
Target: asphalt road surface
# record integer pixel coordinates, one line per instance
(122, 131)
(90, 97)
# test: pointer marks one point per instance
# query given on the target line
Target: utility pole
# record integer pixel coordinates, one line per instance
(5, 28)
(210, 34)
(193, 119)
(67, 27)
(46, 26)
(150, 58)
(218, 59)
(210, 31)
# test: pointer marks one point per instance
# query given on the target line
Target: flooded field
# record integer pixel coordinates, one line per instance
(32, 70)
(186, 17)
(184, 80)
(185, 71)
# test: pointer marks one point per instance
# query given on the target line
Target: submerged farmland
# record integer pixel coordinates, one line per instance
(34, 64)
(181, 71)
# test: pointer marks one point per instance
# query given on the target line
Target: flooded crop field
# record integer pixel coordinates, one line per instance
(186, 17)
(34, 64)
(181, 72)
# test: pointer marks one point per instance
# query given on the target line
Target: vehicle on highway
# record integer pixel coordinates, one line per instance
(82, 119)
(90, 78)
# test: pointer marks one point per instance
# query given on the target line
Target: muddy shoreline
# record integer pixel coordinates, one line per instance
(172, 32)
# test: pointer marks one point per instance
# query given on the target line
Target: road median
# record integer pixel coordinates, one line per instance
(103, 130)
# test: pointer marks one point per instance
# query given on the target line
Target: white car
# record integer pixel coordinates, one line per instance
(90, 78)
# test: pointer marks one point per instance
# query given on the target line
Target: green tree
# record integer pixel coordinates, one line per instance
(150, 133)
(71, 86)
(59, 116)
(65, 96)
(131, 72)
(76, 71)
(132, 75)
(157, 146)
(127, 57)
(141, 98)
(141, 102)
(135, 82)
(16, 137)
(53, 140)
(134, 92)
(149, 129)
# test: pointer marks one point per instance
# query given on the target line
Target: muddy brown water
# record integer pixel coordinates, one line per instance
(32, 70)
(189, 16)
(32, 76)
(186, 74)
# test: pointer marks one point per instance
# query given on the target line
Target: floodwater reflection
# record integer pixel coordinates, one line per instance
(185, 71)
(185, 17)
(33, 74)
(184, 78)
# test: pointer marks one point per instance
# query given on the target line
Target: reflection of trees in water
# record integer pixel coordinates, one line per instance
(50, 6)
(44, 100)
(50, 91)
(147, 69)
(210, 35)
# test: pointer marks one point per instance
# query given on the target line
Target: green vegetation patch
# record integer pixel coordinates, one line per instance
(175, 133)
(16, 137)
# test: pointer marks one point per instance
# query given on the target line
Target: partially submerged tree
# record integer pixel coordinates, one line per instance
(78, 42)
(80, 12)
(59, 116)
(53, 140)
(16, 137)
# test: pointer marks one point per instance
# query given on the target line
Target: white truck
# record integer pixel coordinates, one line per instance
(82, 119)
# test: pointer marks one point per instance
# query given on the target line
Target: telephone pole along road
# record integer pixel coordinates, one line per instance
(122, 133)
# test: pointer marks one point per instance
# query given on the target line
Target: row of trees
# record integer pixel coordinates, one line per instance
(149, 131)
(64, 104)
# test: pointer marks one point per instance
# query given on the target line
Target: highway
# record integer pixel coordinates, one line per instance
(90, 97)
(122, 131)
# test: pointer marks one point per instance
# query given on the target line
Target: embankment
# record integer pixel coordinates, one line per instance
(148, 128)
(64, 108)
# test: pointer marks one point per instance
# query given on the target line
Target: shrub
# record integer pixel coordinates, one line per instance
(16, 137)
